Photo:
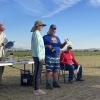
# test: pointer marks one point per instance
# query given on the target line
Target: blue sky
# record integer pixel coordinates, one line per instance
(78, 20)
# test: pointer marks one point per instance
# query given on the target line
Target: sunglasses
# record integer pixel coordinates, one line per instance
(42, 25)
(53, 28)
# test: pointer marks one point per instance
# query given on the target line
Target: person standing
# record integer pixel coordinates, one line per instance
(38, 54)
(3, 41)
(52, 51)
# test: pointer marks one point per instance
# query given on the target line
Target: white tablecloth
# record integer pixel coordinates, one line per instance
(7, 63)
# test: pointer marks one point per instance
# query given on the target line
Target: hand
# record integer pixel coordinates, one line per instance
(79, 65)
(2, 44)
(42, 62)
(66, 41)
(50, 47)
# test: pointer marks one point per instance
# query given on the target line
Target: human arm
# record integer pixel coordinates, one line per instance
(74, 59)
(4, 40)
(63, 44)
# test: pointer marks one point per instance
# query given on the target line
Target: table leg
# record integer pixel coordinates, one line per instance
(24, 66)
(32, 69)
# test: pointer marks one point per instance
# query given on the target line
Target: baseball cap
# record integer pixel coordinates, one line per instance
(53, 26)
(69, 46)
(37, 23)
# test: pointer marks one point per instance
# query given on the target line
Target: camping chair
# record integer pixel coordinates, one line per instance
(64, 72)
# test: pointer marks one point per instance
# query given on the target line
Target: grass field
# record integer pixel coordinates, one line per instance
(77, 53)
(87, 90)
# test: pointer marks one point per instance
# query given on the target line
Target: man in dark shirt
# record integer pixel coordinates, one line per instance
(52, 53)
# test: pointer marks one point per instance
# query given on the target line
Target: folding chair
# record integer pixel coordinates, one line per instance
(64, 73)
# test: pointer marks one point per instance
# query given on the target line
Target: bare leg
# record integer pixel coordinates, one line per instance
(55, 80)
(55, 76)
(49, 75)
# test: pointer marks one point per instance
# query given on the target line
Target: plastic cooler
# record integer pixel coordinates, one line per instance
(26, 78)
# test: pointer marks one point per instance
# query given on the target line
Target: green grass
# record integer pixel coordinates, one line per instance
(87, 53)
(87, 90)
(21, 53)
(28, 53)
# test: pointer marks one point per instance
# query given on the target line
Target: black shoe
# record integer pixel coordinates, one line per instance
(70, 81)
(79, 80)
(56, 85)
(49, 86)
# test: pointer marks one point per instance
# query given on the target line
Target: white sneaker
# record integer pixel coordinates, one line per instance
(39, 92)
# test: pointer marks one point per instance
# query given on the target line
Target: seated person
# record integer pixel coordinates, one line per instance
(67, 60)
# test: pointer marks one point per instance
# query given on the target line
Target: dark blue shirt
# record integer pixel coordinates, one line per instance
(54, 41)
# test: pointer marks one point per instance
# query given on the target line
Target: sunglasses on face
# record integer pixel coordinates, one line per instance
(53, 28)
(41, 25)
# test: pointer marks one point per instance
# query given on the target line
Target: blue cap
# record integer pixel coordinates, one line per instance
(53, 26)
